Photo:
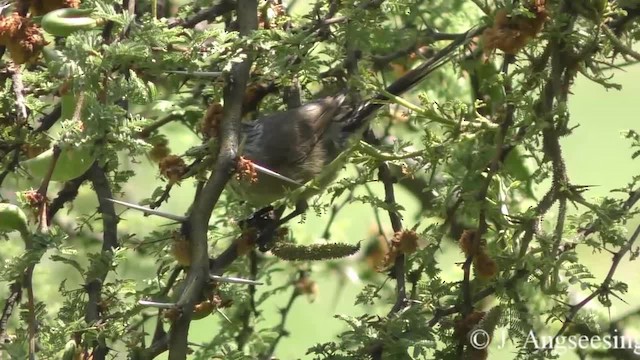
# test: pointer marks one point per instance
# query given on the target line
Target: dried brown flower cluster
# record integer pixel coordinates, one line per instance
(462, 327)
(210, 124)
(485, 267)
(403, 242)
(512, 33)
(22, 38)
(246, 171)
(172, 167)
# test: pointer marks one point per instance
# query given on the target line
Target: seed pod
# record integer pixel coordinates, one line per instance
(288, 251)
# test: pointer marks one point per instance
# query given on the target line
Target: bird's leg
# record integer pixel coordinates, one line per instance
(258, 218)
(301, 207)
(266, 234)
(267, 228)
(263, 221)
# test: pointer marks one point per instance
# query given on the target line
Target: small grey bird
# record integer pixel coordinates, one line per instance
(311, 142)
(301, 144)
(297, 144)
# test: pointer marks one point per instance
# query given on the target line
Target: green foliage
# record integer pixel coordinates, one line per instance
(471, 147)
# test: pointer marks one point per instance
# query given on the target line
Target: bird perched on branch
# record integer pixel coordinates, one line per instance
(308, 143)
(293, 147)
(300, 151)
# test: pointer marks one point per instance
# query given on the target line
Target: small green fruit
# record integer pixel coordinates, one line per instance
(12, 218)
(64, 22)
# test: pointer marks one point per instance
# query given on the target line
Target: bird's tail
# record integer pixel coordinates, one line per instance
(360, 114)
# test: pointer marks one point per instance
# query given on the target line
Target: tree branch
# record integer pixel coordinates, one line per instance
(15, 293)
(223, 7)
(604, 287)
(226, 159)
(18, 91)
(109, 244)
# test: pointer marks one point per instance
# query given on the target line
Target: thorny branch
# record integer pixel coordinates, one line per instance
(481, 197)
(13, 163)
(207, 197)
(556, 89)
(159, 341)
(245, 327)
(15, 293)
(18, 90)
(604, 287)
(529, 229)
(619, 45)
(203, 206)
(30, 245)
(93, 286)
(284, 313)
(553, 89)
(48, 120)
(67, 194)
(335, 209)
(222, 7)
(398, 269)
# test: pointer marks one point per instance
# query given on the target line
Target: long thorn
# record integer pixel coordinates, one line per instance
(206, 74)
(158, 305)
(274, 174)
(146, 210)
(224, 316)
(234, 280)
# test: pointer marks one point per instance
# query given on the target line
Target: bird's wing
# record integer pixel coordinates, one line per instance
(318, 126)
(294, 143)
